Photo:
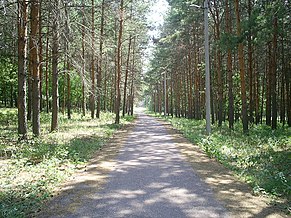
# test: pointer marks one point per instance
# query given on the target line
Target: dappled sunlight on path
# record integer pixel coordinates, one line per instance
(150, 179)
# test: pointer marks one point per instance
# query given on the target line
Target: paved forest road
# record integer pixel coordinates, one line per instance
(151, 179)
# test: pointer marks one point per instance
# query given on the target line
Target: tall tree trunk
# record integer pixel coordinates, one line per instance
(67, 62)
(22, 34)
(40, 55)
(286, 71)
(242, 70)
(55, 73)
(118, 95)
(47, 72)
(274, 74)
(92, 93)
(126, 76)
(29, 80)
(34, 59)
(132, 77)
(268, 85)
(99, 79)
(250, 66)
(105, 87)
(229, 70)
(257, 91)
(197, 101)
(189, 79)
(218, 64)
(69, 90)
(83, 105)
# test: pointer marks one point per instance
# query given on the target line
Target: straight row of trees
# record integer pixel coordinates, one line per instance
(250, 62)
(65, 55)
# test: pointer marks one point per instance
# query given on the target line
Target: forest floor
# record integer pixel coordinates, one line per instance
(32, 169)
(151, 170)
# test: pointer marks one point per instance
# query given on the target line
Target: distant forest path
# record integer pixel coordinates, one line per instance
(145, 172)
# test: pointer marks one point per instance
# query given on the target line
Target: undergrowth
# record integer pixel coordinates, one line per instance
(262, 158)
(32, 169)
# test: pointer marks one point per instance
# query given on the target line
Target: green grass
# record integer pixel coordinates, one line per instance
(262, 158)
(32, 169)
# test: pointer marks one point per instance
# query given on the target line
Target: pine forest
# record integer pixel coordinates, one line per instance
(73, 74)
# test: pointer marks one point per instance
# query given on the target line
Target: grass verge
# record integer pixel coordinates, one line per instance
(32, 170)
(262, 158)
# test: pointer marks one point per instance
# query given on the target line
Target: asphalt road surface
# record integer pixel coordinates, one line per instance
(151, 179)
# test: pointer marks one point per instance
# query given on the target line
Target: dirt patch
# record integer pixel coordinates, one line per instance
(87, 180)
(235, 195)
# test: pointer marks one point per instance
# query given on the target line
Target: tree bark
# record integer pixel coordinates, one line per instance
(99, 79)
(40, 55)
(119, 47)
(34, 60)
(83, 104)
(126, 77)
(250, 66)
(218, 65)
(47, 72)
(55, 73)
(268, 86)
(92, 94)
(242, 70)
(274, 74)
(229, 70)
(22, 34)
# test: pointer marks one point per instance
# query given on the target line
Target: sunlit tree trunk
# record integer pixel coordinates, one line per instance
(242, 70)
(218, 64)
